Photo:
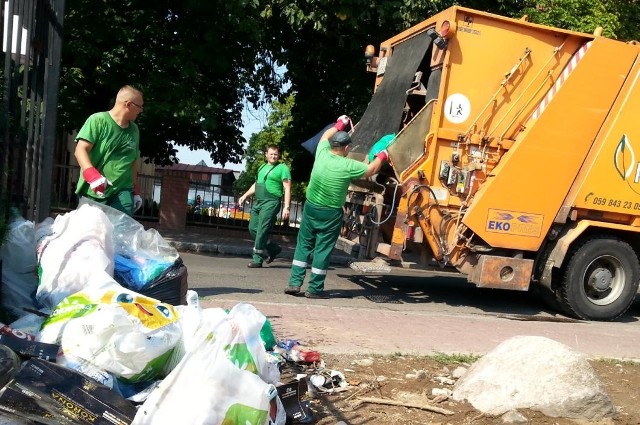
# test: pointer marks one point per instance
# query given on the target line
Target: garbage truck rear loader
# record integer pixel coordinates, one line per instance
(516, 160)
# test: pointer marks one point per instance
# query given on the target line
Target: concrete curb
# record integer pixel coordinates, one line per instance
(243, 251)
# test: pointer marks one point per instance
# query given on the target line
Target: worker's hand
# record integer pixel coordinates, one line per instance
(379, 148)
(285, 214)
(97, 182)
(342, 122)
(383, 156)
(137, 199)
(241, 200)
(137, 202)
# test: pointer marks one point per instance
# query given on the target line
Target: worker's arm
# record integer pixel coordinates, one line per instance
(97, 182)
(286, 184)
(373, 167)
(248, 193)
(82, 154)
(340, 125)
(328, 133)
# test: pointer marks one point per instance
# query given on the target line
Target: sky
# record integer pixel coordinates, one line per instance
(254, 120)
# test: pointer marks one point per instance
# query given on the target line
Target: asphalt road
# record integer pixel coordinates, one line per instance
(406, 311)
(228, 278)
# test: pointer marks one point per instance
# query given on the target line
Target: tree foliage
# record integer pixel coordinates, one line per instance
(199, 60)
(196, 62)
(278, 121)
(322, 45)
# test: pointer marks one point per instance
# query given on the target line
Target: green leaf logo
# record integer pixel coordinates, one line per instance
(624, 158)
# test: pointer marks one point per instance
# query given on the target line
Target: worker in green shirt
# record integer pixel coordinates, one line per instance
(273, 180)
(322, 216)
(108, 152)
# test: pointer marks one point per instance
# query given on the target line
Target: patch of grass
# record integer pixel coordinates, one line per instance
(455, 358)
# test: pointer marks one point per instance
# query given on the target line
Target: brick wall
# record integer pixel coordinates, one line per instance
(173, 200)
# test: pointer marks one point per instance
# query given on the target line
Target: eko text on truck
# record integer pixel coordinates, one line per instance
(516, 159)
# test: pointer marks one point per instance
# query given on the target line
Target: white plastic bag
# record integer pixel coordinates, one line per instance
(116, 330)
(207, 386)
(78, 255)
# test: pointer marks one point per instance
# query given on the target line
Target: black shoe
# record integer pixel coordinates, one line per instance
(292, 290)
(273, 256)
(253, 265)
(317, 295)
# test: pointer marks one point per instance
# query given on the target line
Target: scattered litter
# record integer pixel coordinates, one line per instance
(370, 267)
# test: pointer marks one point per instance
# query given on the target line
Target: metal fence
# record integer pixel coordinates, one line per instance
(32, 43)
(209, 205)
(215, 208)
(64, 199)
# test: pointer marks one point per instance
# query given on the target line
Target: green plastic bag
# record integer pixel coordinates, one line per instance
(380, 145)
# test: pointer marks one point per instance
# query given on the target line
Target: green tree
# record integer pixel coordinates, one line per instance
(576, 15)
(322, 44)
(196, 62)
(278, 121)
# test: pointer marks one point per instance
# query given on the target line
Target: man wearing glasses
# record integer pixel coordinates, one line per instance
(107, 150)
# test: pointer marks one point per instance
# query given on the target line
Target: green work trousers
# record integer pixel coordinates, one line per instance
(319, 231)
(122, 201)
(263, 215)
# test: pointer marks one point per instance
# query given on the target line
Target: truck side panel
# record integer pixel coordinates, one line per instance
(610, 178)
(516, 205)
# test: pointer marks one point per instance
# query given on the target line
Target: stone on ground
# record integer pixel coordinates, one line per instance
(537, 373)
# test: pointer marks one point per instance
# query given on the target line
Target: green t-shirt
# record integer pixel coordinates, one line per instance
(331, 176)
(272, 177)
(114, 151)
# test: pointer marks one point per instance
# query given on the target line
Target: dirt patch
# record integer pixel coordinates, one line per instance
(399, 378)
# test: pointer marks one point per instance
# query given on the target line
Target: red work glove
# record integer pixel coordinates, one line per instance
(97, 181)
(383, 156)
(342, 122)
(137, 199)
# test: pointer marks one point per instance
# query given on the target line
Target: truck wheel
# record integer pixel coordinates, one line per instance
(600, 280)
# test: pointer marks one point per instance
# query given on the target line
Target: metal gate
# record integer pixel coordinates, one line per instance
(30, 58)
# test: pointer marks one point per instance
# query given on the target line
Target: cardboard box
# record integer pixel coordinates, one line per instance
(27, 348)
(17, 404)
(62, 391)
(290, 394)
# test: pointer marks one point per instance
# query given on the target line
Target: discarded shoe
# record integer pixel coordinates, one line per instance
(316, 295)
(253, 265)
(292, 290)
(273, 256)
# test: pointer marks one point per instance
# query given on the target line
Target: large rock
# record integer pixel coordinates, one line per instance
(535, 373)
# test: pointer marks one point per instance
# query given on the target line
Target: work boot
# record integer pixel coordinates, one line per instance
(273, 256)
(253, 265)
(292, 290)
(317, 295)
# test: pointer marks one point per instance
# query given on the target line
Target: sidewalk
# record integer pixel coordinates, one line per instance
(341, 330)
(193, 241)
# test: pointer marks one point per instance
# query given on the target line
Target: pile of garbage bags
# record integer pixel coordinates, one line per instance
(88, 342)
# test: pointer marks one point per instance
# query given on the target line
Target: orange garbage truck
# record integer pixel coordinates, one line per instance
(516, 159)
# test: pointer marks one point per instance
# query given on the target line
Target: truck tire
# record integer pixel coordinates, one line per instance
(600, 279)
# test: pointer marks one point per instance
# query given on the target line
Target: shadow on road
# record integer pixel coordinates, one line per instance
(222, 290)
(454, 292)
